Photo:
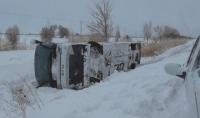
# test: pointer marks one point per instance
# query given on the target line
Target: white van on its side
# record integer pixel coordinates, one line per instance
(80, 65)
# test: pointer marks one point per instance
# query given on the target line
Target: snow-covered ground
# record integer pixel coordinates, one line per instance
(146, 92)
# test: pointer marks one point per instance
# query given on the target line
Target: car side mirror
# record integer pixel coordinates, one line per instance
(173, 69)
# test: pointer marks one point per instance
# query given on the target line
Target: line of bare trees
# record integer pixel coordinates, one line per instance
(48, 32)
(101, 27)
(12, 36)
(160, 32)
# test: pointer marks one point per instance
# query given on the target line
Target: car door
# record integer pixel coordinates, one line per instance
(193, 79)
(196, 82)
(193, 92)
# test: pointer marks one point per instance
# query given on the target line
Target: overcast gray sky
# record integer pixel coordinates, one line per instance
(129, 15)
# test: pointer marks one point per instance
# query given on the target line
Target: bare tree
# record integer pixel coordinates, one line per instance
(117, 35)
(12, 35)
(164, 32)
(47, 33)
(158, 30)
(63, 31)
(147, 30)
(0, 42)
(170, 32)
(102, 20)
(128, 38)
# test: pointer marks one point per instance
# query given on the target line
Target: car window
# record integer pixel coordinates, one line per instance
(192, 52)
(197, 62)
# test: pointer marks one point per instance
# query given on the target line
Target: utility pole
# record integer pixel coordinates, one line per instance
(48, 22)
(81, 27)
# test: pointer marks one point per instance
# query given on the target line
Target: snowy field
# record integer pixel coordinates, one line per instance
(146, 92)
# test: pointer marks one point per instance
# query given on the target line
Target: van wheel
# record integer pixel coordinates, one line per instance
(133, 65)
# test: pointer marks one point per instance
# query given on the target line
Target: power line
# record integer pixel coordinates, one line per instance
(30, 16)
(24, 34)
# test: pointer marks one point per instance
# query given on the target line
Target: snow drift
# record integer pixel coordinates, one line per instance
(146, 92)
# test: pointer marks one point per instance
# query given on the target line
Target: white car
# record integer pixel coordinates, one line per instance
(190, 72)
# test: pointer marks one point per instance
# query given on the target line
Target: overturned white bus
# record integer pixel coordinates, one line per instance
(79, 65)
